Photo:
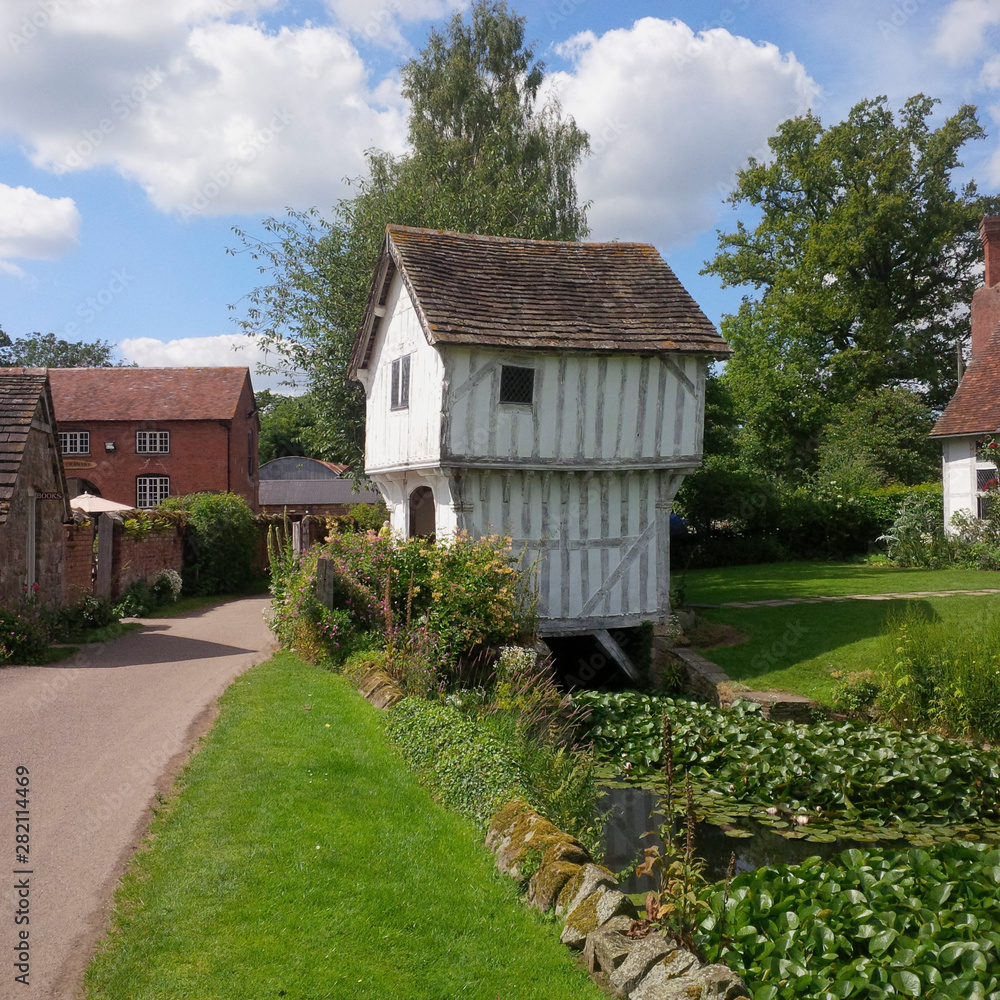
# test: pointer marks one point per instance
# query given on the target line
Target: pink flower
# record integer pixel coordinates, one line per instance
(771, 810)
(801, 820)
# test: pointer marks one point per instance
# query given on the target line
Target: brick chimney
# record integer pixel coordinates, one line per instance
(986, 300)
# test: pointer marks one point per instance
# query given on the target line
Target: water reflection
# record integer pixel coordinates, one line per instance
(635, 810)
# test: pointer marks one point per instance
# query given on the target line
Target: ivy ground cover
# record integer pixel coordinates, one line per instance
(867, 925)
(302, 859)
(822, 782)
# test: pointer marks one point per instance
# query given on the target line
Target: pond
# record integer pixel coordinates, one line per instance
(632, 815)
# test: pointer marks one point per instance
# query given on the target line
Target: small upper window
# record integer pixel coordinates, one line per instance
(517, 385)
(152, 442)
(74, 442)
(401, 383)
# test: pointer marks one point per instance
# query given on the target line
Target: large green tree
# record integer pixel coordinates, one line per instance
(486, 156)
(862, 261)
(45, 350)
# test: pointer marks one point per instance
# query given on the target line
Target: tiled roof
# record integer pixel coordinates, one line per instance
(276, 492)
(21, 389)
(538, 294)
(299, 467)
(146, 393)
(975, 407)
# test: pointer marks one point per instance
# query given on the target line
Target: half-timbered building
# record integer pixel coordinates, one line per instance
(550, 392)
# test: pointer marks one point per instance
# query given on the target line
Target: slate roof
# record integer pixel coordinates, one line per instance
(146, 393)
(537, 295)
(300, 492)
(21, 390)
(300, 467)
(975, 407)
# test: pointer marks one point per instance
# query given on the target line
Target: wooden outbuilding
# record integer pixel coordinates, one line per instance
(549, 392)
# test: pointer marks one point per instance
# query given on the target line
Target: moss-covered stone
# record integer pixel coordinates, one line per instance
(583, 884)
(547, 882)
(380, 689)
(529, 832)
(583, 917)
(569, 850)
(503, 822)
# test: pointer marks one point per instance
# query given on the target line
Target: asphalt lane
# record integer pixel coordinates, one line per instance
(99, 735)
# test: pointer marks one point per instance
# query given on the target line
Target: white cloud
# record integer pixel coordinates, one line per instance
(225, 350)
(962, 32)
(209, 115)
(35, 226)
(379, 22)
(672, 115)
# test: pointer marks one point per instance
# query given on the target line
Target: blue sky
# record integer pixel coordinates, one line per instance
(134, 134)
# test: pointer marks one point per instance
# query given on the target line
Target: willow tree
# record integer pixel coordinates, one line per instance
(486, 155)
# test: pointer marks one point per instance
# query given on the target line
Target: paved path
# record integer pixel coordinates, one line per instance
(784, 602)
(101, 734)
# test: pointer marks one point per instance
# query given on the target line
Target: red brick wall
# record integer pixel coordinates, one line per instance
(78, 559)
(144, 558)
(204, 455)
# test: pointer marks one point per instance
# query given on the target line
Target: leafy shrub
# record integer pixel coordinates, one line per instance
(464, 596)
(856, 693)
(942, 674)
(70, 622)
(220, 542)
(868, 924)
(24, 637)
(742, 517)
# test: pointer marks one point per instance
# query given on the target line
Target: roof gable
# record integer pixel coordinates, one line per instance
(134, 394)
(24, 393)
(537, 295)
(975, 407)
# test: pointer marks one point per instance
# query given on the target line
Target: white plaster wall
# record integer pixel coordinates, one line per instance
(411, 436)
(959, 477)
(610, 408)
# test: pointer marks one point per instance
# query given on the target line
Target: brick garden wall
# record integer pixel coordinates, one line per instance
(144, 558)
(78, 561)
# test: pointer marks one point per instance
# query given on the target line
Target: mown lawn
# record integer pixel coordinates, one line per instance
(772, 581)
(300, 859)
(804, 648)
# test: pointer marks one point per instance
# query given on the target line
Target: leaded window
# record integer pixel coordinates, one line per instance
(517, 384)
(401, 383)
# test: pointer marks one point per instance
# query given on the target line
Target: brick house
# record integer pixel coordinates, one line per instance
(974, 411)
(138, 435)
(33, 500)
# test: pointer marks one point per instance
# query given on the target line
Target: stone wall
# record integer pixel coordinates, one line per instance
(38, 471)
(621, 952)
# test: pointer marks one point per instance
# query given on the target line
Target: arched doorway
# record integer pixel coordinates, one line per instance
(422, 513)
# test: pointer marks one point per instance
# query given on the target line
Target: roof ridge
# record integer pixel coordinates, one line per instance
(481, 238)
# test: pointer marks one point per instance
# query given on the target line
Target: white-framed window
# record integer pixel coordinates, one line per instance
(152, 442)
(74, 442)
(517, 384)
(401, 383)
(150, 490)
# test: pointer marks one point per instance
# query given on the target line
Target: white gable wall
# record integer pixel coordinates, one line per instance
(959, 467)
(410, 437)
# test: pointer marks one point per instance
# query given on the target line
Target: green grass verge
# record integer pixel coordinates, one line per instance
(772, 581)
(301, 859)
(801, 647)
